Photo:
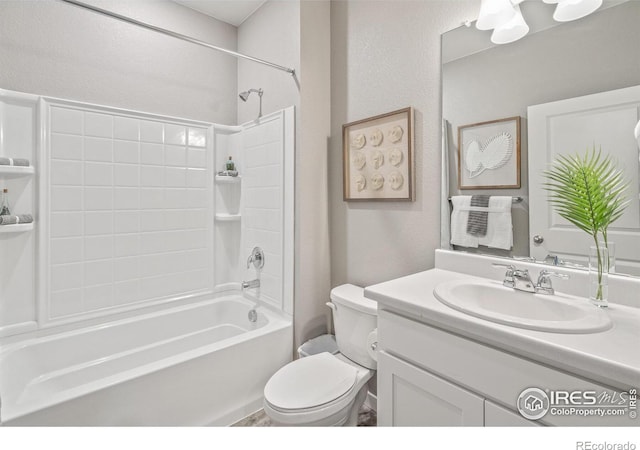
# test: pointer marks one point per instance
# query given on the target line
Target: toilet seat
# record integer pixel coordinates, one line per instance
(324, 397)
(310, 382)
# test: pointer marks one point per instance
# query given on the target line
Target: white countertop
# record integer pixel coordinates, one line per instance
(611, 357)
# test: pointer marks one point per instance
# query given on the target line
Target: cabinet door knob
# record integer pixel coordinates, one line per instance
(537, 239)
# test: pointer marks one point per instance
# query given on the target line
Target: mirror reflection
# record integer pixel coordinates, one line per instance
(573, 86)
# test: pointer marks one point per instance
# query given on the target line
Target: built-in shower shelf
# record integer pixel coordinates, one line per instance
(15, 171)
(228, 217)
(221, 179)
(17, 228)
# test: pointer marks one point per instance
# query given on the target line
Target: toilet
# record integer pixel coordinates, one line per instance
(326, 389)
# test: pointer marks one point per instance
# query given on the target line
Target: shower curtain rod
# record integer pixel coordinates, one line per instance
(179, 36)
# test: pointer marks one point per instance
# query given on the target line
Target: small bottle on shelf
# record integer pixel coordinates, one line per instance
(230, 164)
(4, 203)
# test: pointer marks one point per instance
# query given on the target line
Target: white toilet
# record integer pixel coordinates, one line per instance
(326, 389)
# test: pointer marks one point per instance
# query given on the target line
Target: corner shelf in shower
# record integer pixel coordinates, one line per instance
(17, 228)
(222, 179)
(228, 217)
(16, 171)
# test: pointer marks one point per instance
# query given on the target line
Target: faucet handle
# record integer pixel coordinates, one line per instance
(256, 257)
(508, 276)
(507, 266)
(544, 286)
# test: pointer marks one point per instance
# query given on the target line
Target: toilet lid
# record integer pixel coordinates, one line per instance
(309, 382)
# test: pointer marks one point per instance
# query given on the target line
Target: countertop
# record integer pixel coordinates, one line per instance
(611, 357)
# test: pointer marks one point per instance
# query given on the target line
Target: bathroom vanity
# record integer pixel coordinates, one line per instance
(439, 366)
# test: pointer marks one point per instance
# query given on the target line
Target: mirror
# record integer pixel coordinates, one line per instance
(483, 82)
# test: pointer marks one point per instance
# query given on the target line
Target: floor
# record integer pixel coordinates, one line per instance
(366, 418)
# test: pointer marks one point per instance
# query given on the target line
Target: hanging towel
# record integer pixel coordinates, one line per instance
(13, 220)
(477, 223)
(499, 224)
(459, 219)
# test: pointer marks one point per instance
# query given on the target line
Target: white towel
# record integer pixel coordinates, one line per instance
(499, 224)
(459, 219)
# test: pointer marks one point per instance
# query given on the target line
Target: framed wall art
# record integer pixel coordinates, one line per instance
(378, 159)
(489, 155)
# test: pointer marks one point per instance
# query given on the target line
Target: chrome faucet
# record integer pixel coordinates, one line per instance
(256, 257)
(516, 278)
(251, 284)
(544, 286)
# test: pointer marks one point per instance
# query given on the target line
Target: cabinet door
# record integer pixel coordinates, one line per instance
(497, 416)
(410, 396)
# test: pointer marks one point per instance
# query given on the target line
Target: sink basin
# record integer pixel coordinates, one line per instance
(492, 301)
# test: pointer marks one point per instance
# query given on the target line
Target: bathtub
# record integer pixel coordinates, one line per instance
(200, 364)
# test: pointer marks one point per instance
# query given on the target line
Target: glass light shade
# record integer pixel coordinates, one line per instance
(494, 13)
(511, 31)
(568, 10)
(636, 132)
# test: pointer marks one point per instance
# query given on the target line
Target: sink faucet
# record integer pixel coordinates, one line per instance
(544, 286)
(516, 278)
(251, 284)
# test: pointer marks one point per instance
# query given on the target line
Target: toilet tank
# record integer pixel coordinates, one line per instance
(355, 318)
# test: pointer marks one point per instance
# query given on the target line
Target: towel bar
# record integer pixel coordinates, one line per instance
(513, 199)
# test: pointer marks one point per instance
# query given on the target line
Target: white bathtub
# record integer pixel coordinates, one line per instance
(202, 364)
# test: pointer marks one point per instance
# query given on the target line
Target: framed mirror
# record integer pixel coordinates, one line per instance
(554, 62)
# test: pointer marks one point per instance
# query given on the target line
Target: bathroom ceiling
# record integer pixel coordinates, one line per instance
(233, 12)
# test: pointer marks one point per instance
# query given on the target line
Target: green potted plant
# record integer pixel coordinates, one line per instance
(588, 191)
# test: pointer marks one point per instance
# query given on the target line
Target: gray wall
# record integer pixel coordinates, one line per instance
(57, 49)
(386, 56)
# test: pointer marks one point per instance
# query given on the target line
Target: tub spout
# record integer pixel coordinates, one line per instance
(251, 284)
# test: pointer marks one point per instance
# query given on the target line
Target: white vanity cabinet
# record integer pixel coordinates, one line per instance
(431, 377)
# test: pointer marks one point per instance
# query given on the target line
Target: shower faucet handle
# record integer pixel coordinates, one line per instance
(256, 257)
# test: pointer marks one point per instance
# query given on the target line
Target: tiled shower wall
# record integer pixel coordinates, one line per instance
(262, 192)
(130, 217)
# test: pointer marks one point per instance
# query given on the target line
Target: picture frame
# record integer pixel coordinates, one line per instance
(378, 158)
(489, 154)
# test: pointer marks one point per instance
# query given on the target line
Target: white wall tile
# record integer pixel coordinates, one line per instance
(262, 197)
(151, 154)
(196, 198)
(152, 220)
(66, 146)
(126, 128)
(175, 155)
(197, 137)
(66, 224)
(152, 198)
(98, 198)
(98, 297)
(98, 174)
(175, 134)
(100, 125)
(126, 198)
(126, 152)
(197, 157)
(66, 303)
(153, 243)
(175, 177)
(151, 176)
(126, 221)
(65, 120)
(98, 247)
(197, 178)
(66, 276)
(126, 292)
(126, 245)
(66, 173)
(98, 272)
(125, 268)
(66, 198)
(98, 149)
(126, 175)
(175, 198)
(151, 131)
(98, 222)
(66, 250)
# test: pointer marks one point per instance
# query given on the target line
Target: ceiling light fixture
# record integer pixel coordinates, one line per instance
(507, 21)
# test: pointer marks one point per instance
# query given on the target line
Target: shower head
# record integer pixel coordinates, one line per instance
(245, 95)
